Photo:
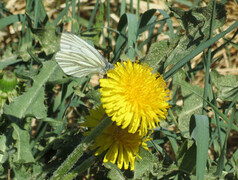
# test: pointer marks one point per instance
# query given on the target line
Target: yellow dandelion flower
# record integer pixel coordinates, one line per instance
(122, 147)
(134, 97)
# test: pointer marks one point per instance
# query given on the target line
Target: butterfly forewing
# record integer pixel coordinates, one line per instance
(78, 58)
(71, 65)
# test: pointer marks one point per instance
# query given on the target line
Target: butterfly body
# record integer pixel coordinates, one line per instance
(77, 58)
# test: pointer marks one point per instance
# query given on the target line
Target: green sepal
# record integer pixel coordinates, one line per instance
(8, 81)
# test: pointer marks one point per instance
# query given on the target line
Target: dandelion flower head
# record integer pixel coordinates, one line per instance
(134, 97)
(122, 147)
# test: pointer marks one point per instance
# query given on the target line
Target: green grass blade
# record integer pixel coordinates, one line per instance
(132, 34)
(224, 117)
(207, 61)
(79, 150)
(184, 2)
(150, 25)
(221, 161)
(201, 135)
(61, 15)
(199, 49)
(131, 7)
(6, 61)
(231, 105)
(10, 20)
(36, 17)
(123, 7)
(169, 22)
(78, 12)
(90, 24)
(73, 4)
(24, 22)
(146, 21)
(87, 163)
(137, 8)
(122, 38)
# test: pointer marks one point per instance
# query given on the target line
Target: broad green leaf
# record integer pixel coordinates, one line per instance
(48, 39)
(144, 165)
(222, 158)
(199, 49)
(196, 23)
(180, 49)
(21, 172)
(33, 172)
(8, 58)
(3, 149)
(23, 51)
(199, 130)
(223, 116)
(192, 104)
(57, 77)
(165, 172)
(158, 53)
(114, 173)
(186, 156)
(94, 97)
(197, 20)
(32, 101)
(227, 85)
(22, 138)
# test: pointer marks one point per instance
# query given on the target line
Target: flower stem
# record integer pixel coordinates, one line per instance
(78, 151)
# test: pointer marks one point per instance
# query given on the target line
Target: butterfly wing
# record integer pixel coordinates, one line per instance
(78, 58)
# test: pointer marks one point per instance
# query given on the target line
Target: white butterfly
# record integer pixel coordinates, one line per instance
(77, 58)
